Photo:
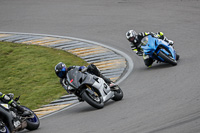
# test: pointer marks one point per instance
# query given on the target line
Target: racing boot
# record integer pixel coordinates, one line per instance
(80, 99)
(26, 113)
(107, 80)
(23, 112)
(112, 84)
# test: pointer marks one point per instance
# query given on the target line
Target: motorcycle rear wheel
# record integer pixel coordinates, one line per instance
(167, 59)
(96, 102)
(118, 94)
(33, 123)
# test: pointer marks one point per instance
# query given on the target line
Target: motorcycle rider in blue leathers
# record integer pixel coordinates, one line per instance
(135, 40)
(8, 98)
(61, 71)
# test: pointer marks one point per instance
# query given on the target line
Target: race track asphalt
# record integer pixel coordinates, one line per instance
(161, 99)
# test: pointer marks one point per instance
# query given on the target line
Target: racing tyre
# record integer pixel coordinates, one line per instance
(95, 101)
(167, 59)
(32, 123)
(118, 93)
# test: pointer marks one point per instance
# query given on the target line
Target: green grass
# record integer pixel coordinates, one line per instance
(28, 71)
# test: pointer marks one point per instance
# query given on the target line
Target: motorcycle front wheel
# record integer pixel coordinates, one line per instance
(167, 59)
(95, 101)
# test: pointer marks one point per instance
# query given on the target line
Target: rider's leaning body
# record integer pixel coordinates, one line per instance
(61, 71)
(135, 43)
(6, 98)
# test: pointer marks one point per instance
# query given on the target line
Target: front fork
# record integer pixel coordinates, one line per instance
(92, 92)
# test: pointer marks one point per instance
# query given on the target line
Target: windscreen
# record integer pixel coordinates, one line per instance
(75, 77)
(144, 41)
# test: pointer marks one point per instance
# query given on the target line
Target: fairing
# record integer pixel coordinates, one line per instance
(75, 78)
(154, 46)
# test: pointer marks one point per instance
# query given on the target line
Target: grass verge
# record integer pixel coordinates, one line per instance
(28, 71)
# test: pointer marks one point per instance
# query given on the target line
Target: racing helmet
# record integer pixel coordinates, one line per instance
(131, 35)
(61, 70)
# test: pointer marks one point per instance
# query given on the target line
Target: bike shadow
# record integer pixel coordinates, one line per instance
(156, 67)
(87, 108)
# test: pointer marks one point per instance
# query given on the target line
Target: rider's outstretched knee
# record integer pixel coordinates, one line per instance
(148, 62)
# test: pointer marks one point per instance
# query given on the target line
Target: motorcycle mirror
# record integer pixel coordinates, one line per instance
(17, 98)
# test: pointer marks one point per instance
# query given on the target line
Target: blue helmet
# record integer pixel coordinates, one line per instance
(61, 70)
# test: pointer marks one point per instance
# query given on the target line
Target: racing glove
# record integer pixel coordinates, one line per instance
(83, 69)
(171, 42)
(139, 53)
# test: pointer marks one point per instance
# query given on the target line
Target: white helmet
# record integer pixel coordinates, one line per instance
(131, 35)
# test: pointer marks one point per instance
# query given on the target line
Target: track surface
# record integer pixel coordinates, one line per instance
(161, 99)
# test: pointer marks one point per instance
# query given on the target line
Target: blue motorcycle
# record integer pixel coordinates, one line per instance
(159, 50)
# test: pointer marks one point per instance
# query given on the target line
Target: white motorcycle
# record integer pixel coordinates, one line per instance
(92, 89)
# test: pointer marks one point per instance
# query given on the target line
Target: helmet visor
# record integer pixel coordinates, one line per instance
(62, 73)
(131, 39)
